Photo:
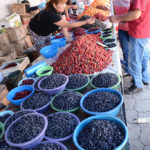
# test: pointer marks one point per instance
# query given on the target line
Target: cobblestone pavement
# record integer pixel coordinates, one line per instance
(138, 106)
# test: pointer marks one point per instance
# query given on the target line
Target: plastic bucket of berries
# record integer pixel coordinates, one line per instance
(19, 94)
(61, 126)
(102, 101)
(50, 145)
(100, 132)
(27, 131)
(44, 71)
(2, 130)
(68, 101)
(106, 80)
(5, 114)
(26, 81)
(53, 84)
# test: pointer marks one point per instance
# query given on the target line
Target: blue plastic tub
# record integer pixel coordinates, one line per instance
(93, 32)
(6, 112)
(85, 122)
(112, 112)
(59, 42)
(42, 5)
(49, 51)
(35, 141)
(59, 34)
(11, 94)
(20, 82)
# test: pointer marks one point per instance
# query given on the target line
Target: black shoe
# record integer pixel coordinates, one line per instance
(132, 90)
(146, 83)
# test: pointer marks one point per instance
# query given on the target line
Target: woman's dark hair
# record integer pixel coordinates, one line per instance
(51, 2)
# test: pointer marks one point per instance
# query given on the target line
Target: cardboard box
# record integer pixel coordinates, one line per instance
(26, 18)
(11, 56)
(13, 20)
(4, 40)
(6, 49)
(3, 94)
(16, 34)
(19, 8)
(23, 44)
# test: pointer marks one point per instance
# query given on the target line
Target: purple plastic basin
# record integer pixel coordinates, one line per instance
(55, 90)
(67, 137)
(32, 143)
(41, 109)
(55, 142)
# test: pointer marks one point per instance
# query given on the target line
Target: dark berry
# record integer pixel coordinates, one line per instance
(4, 117)
(22, 94)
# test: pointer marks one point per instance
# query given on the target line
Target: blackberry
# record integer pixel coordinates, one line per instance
(101, 101)
(37, 100)
(76, 81)
(46, 71)
(15, 116)
(67, 101)
(48, 146)
(53, 81)
(25, 129)
(60, 125)
(105, 80)
(111, 45)
(4, 117)
(36, 84)
(101, 135)
(109, 40)
(5, 146)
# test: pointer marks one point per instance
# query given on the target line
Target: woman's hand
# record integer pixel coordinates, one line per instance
(90, 21)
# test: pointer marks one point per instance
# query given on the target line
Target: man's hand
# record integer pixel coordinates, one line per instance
(114, 19)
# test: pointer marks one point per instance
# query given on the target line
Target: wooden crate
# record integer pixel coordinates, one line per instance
(19, 8)
(3, 94)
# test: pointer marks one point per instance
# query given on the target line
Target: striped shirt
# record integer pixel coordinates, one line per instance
(121, 7)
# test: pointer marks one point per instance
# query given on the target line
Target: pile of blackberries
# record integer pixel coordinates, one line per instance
(76, 81)
(105, 80)
(60, 125)
(101, 101)
(96, 24)
(53, 81)
(101, 135)
(67, 101)
(16, 116)
(27, 82)
(37, 100)
(4, 117)
(46, 71)
(26, 128)
(48, 146)
(22, 94)
(36, 84)
(111, 45)
(93, 29)
(109, 40)
(5, 146)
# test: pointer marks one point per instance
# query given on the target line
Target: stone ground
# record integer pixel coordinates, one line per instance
(138, 106)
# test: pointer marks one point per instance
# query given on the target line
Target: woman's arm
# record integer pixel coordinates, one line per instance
(66, 24)
(65, 30)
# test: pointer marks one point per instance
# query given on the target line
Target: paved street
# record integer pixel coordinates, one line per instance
(138, 106)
